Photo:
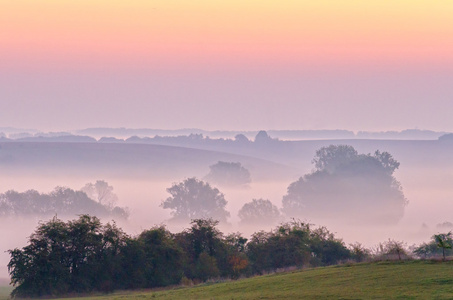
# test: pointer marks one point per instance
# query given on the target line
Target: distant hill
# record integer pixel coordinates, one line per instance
(124, 160)
(191, 155)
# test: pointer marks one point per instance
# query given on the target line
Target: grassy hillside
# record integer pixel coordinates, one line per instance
(4, 292)
(384, 280)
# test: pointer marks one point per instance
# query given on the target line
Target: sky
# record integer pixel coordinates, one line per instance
(372, 65)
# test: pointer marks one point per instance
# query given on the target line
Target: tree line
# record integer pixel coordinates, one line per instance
(94, 198)
(84, 255)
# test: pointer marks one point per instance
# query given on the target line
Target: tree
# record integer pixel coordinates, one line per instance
(332, 157)
(294, 244)
(259, 211)
(242, 139)
(387, 161)
(62, 201)
(326, 249)
(358, 252)
(36, 270)
(344, 181)
(443, 241)
(431, 249)
(76, 256)
(395, 248)
(228, 174)
(195, 199)
(163, 258)
(101, 192)
(204, 249)
(262, 138)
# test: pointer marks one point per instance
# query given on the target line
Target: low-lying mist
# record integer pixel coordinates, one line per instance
(429, 203)
(426, 187)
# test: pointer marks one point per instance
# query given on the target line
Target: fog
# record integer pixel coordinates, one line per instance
(425, 175)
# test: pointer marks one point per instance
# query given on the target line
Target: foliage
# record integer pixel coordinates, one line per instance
(228, 174)
(62, 201)
(344, 181)
(440, 245)
(443, 241)
(83, 255)
(294, 244)
(333, 157)
(77, 256)
(395, 249)
(162, 260)
(101, 192)
(359, 253)
(206, 251)
(259, 211)
(195, 199)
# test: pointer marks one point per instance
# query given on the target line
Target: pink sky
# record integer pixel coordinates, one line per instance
(359, 65)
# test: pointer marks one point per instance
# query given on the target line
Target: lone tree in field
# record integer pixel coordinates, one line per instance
(228, 174)
(259, 211)
(195, 199)
(346, 182)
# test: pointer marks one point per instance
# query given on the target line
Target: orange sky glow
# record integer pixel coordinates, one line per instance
(226, 32)
(236, 64)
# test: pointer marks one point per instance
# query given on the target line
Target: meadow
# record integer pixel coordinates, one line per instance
(377, 280)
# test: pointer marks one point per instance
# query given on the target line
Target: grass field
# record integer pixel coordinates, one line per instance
(382, 280)
(4, 292)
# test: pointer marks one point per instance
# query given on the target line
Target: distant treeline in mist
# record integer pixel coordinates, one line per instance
(83, 255)
(357, 188)
(119, 134)
(94, 198)
(344, 185)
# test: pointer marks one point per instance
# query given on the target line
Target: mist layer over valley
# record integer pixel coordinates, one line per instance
(140, 174)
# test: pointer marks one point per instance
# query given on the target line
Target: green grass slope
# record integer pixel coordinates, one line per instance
(383, 280)
(5, 291)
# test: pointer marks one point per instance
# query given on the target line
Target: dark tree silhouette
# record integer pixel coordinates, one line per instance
(77, 256)
(84, 256)
(294, 244)
(195, 199)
